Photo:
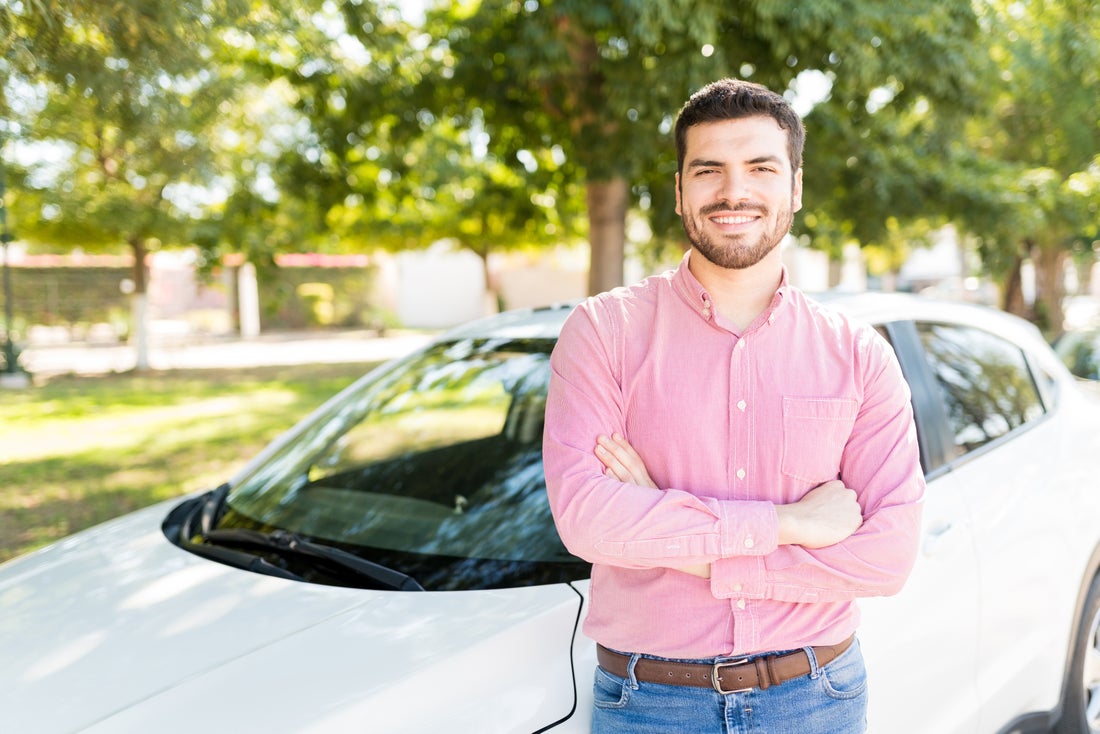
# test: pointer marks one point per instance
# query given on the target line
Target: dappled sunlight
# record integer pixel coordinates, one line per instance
(171, 586)
(65, 655)
(264, 586)
(201, 615)
(148, 475)
(21, 502)
(128, 427)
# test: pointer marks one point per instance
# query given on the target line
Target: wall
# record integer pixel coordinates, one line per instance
(74, 298)
(439, 287)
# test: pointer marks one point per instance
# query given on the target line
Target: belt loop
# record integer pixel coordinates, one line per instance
(763, 667)
(815, 669)
(631, 679)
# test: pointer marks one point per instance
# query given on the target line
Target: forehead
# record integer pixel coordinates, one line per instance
(745, 138)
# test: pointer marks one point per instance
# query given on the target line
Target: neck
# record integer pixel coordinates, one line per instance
(739, 295)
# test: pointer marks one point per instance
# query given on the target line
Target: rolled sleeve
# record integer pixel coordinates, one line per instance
(745, 528)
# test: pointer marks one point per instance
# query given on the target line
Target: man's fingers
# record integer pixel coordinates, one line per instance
(622, 460)
(611, 462)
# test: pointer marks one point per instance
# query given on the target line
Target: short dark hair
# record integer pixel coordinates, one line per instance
(733, 99)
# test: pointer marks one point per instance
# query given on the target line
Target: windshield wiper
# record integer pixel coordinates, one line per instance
(197, 530)
(286, 543)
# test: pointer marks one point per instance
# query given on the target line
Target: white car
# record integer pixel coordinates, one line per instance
(390, 564)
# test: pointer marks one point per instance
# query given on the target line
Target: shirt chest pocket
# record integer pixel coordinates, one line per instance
(815, 431)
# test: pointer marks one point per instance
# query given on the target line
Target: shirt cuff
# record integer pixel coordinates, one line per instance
(750, 531)
(740, 576)
(749, 528)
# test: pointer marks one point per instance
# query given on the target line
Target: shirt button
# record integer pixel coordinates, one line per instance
(737, 587)
(740, 603)
(740, 473)
(749, 543)
(741, 405)
(741, 344)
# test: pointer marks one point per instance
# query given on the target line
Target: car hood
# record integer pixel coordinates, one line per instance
(117, 630)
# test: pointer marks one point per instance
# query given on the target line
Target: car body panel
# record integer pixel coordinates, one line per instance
(1015, 508)
(925, 638)
(117, 630)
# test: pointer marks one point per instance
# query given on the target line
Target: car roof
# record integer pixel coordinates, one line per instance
(525, 323)
(872, 307)
(882, 308)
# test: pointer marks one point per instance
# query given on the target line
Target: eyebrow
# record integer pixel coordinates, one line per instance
(701, 163)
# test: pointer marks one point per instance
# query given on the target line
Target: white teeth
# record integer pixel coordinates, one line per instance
(733, 220)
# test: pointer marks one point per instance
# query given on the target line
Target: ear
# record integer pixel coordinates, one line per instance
(796, 192)
(678, 207)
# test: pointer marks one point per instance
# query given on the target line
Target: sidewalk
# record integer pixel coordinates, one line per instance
(195, 352)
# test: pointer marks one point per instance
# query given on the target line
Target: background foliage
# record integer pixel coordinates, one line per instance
(253, 127)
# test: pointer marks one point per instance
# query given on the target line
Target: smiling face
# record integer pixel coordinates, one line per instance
(736, 193)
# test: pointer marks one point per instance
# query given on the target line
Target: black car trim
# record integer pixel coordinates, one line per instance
(572, 664)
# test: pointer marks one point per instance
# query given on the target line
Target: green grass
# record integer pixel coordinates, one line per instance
(76, 451)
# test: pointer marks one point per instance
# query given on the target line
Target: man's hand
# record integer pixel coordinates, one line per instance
(621, 461)
(827, 514)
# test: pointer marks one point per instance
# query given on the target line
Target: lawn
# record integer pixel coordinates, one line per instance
(76, 451)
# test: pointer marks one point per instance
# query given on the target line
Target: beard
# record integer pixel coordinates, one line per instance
(737, 251)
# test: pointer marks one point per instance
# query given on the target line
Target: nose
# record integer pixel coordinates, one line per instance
(734, 186)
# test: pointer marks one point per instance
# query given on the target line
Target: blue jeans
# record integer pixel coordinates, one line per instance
(830, 700)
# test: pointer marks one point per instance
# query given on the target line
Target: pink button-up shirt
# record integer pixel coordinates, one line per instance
(729, 425)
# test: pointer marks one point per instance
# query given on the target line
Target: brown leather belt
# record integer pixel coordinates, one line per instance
(733, 676)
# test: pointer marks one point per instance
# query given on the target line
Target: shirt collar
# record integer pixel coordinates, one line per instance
(696, 296)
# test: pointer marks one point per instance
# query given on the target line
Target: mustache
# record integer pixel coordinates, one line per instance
(725, 206)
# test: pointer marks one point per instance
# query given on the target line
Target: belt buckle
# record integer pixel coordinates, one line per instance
(717, 685)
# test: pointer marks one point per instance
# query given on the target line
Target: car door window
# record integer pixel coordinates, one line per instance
(988, 389)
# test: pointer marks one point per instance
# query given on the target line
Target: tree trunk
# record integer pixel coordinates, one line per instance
(494, 299)
(1050, 288)
(1013, 296)
(139, 326)
(607, 205)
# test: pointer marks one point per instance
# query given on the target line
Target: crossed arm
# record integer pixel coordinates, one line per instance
(826, 515)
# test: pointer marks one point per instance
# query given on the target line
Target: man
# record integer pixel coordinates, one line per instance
(738, 463)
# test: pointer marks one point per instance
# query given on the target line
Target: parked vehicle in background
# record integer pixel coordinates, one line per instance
(1080, 350)
(390, 564)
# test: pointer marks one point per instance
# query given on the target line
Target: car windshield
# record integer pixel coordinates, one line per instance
(432, 466)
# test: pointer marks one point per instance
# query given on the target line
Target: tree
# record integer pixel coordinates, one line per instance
(1040, 136)
(124, 89)
(303, 124)
(602, 82)
(375, 166)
